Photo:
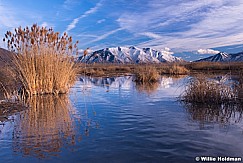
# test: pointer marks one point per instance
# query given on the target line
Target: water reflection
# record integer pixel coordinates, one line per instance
(131, 126)
(147, 87)
(222, 114)
(45, 128)
(225, 113)
(108, 82)
(128, 82)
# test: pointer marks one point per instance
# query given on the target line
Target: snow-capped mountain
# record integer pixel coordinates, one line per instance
(223, 57)
(220, 57)
(238, 57)
(129, 55)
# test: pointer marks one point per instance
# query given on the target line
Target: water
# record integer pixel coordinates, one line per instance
(115, 120)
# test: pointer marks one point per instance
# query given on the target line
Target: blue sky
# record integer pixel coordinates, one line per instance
(181, 25)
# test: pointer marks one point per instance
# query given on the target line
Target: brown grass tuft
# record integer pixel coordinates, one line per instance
(43, 60)
(203, 90)
(146, 74)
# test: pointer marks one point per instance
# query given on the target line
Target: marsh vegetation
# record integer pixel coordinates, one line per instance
(201, 89)
(42, 60)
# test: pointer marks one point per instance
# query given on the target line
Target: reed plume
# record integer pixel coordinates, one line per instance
(43, 60)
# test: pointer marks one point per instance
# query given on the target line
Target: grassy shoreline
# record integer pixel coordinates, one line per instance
(9, 83)
(187, 68)
(105, 69)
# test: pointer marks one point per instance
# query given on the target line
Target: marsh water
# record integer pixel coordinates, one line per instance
(116, 120)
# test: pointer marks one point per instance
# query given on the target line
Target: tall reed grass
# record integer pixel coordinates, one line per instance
(172, 69)
(146, 74)
(203, 90)
(43, 60)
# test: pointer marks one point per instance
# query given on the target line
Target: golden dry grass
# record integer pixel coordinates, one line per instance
(123, 69)
(163, 68)
(214, 66)
(45, 72)
(203, 90)
(146, 74)
(172, 69)
(43, 61)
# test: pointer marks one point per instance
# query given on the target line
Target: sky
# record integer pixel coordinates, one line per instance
(191, 28)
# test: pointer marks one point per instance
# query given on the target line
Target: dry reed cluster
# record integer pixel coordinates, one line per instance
(146, 74)
(43, 60)
(172, 69)
(203, 90)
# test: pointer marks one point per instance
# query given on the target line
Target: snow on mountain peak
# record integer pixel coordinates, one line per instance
(130, 55)
(224, 57)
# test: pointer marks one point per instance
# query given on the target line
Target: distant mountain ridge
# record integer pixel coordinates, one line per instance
(129, 55)
(223, 57)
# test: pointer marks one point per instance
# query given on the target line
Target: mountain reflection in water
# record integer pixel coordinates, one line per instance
(127, 82)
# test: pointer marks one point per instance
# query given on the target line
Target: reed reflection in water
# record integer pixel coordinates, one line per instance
(45, 128)
(217, 99)
(147, 87)
(224, 114)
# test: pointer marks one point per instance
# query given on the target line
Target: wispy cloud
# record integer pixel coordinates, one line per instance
(72, 24)
(101, 21)
(151, 35)
(187, 25)
(8, 17)
(207, 51)
(104, 36)
(68, 4)
(9, 21)
(87, 13)
(82, 35)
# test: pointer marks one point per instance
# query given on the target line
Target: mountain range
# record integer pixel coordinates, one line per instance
(223, 57)
(137, 55)
(129, 55)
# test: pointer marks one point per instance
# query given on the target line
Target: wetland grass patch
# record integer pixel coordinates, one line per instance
(147, 74)
(201, 89)
(43, 60)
